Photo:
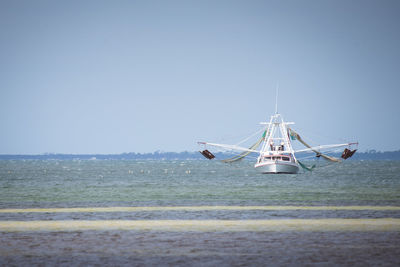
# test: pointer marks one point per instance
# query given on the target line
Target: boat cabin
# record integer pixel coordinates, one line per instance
(275, 158)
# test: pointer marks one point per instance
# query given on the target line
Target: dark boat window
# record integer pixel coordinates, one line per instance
(286, 158)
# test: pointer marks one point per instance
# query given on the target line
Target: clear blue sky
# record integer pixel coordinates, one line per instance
(140, 76)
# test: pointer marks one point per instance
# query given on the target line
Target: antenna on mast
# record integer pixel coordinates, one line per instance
(276, 98)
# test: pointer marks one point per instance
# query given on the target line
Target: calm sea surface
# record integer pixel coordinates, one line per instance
(206, 213)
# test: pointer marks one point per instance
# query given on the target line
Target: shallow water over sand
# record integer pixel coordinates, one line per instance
(204, 213)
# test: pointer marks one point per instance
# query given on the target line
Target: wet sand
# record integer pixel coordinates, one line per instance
(365, 225)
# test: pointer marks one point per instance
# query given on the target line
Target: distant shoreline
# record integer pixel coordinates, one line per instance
(194, 155)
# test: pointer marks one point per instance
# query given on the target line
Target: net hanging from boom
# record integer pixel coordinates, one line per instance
(319, 154)
(244, 154)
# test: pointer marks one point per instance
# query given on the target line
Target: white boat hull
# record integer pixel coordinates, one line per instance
(277, 167)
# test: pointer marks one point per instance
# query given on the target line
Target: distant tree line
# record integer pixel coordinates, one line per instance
(186, 155)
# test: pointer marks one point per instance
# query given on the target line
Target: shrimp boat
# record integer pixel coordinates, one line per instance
(277, 155)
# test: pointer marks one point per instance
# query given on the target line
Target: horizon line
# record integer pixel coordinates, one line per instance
(368, 151)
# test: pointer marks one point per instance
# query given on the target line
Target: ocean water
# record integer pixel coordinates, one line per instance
(201, 213)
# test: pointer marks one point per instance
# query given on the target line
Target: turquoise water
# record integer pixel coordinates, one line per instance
(169, 183)
(208, 191)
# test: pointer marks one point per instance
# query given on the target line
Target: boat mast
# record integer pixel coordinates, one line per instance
(267, 136)
(277, 131)
(276, 98)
